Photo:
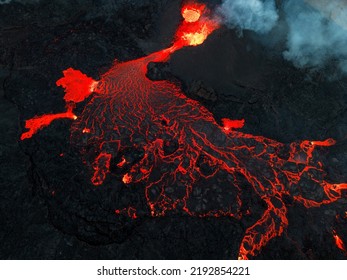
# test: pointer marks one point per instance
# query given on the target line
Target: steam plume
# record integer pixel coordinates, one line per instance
(256, 15)
(313, 38)
(316, 29)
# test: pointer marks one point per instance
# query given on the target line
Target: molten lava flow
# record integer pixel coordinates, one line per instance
(339, 242)
(101, 167)
(232, 124)
(122, 163)
(187, 157)
(78, 86)
(127, 179)
(37, 123)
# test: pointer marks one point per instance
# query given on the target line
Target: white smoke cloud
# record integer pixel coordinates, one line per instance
(256, 15)
(313, 39)
(314, 35)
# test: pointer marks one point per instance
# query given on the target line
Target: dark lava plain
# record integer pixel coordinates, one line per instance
(234, 77)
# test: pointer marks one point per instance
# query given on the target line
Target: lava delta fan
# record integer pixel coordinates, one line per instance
(182, 144)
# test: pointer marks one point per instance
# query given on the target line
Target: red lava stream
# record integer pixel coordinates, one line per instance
(128, 110)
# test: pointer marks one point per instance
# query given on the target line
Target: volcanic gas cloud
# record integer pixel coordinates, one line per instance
(184, 147)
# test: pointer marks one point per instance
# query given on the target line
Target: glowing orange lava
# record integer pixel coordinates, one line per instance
(195, 28)
(192, 12)
(191, 15)
(127, 179)
(78, 86)
(37, 123)
(122, 163)
(232, 124)
(185, 149)
(339, 242)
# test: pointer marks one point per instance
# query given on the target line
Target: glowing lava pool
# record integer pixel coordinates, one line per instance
(183, 146)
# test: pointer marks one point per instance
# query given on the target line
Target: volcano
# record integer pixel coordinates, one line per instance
(138, 159)
(182, 145)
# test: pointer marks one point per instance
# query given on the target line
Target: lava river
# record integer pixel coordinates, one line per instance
(182, 145)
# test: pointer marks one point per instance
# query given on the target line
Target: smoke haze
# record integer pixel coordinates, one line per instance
(315, 33)
(256, 15)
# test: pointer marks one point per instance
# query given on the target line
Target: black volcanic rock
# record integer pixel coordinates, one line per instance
(50, 210)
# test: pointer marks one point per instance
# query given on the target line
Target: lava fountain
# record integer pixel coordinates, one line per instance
(182, 144)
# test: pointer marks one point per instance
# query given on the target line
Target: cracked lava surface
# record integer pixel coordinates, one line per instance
(182, 145)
